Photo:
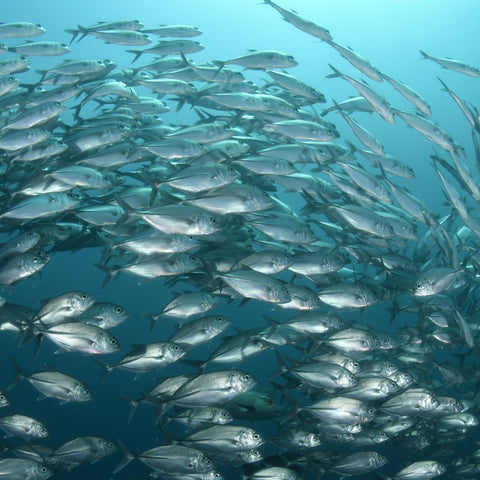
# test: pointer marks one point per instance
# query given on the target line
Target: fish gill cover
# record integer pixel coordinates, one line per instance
(233, 260)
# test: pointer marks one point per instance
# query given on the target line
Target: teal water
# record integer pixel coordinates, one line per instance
(389, 34)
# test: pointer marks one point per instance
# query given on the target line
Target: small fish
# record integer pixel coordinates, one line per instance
(20, 30)
(80, 337)
(358, 463)
(262, 60)
(210, 389)
(174, 31)
(455, 65)
(22, 266)
(47, 49)
(55, 385)
(23, 469)
(84, 450)
(23, 427)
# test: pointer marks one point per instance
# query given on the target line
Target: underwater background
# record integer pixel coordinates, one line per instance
(390, 35)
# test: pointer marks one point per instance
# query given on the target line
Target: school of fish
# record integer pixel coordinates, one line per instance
(257, 201)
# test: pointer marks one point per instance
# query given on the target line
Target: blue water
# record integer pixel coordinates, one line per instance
(389, 34)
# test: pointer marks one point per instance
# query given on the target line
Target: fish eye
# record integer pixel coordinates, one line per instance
(246, 377)
(3, 397)
(113, 341)
(43, 429)
(256, 436)
(176, 348)
(43, 469)
(35, 259)
(84, 296)
(110, 444)
(370, 411)
(224, 414)
(118, 309)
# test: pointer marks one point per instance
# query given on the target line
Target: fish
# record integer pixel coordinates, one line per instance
(21, 468)
(311, 303)
(301, 23)
(224, 439)
(455, 65)
(23, 265)
(40, 49)
(84, 450)
(55, 385)
(80, 337)
(22, 426)
(378, 103)
(210, 389)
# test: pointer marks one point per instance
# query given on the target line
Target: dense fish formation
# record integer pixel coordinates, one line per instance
(260, 201)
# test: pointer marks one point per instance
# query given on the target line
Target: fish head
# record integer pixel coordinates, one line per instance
(242, 382)
(40, 430)
(221, 416)
(422, 288)
(428, 402)
(175, 351)
(251, 456)
(250, 438)
(81, 301)
(108, 446)
(41, 472)
(107, 343)
(82, 393)
(347, 379)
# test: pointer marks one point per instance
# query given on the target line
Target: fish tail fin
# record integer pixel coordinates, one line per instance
(159, 406)
(424, 55)
(19, 374)
(336, 73)
(126, 208)
(84, 31)
(443, 84)
(73, 32)
(279, 371)
(129, 456)
(107, 253)
(76, 111)
(219, 64)
(153, 319)
(185, 59)
(109, 273)
(106, 369)
(133, 405)
(137, 54)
